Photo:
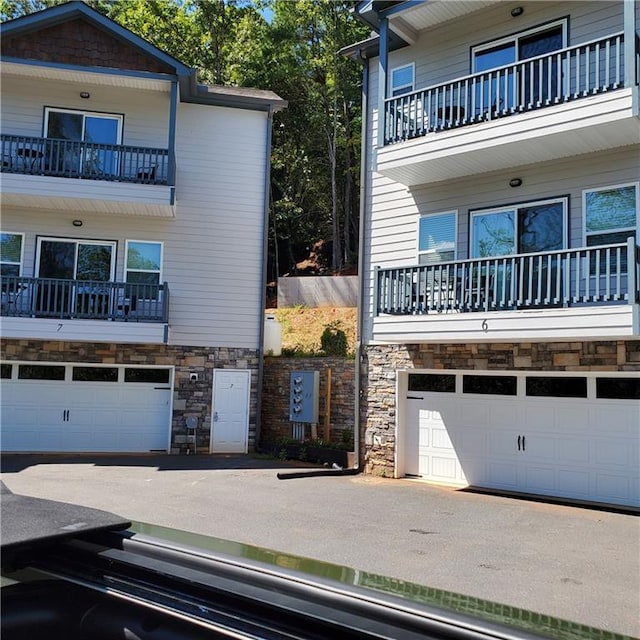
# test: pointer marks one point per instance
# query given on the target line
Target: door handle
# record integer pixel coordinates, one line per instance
(523, 443)
(519, 440)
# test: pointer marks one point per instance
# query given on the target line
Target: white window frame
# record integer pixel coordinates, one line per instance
(126, 259)
(78, 241)
(520, 205)
(94, 114)
(636, 229)
(425, 252)
(404, 88)
(564, 23)
(2, 261)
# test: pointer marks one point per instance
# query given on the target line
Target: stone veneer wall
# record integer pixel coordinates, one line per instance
(275, 395)
(189, 398)
(380, 362)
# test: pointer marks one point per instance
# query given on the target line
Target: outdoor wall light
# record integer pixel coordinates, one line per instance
(85, 94)
(516, 11)
(515, 182)
(77, 223)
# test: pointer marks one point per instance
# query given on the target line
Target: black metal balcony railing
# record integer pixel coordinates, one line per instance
(86, 160)
(587, 276)
(564, 75)
(84, 299)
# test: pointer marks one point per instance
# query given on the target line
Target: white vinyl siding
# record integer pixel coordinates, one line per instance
(146, 113)
(212, 248)
(395, 209)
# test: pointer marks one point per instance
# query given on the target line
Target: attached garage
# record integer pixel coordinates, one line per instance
(569, 436)
(85, 408)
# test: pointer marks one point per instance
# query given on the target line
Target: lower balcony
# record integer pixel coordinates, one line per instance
(589, 292)
(54, 308)
(74, 175)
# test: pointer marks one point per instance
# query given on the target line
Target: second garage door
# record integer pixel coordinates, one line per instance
(80, 408)
(573, 437)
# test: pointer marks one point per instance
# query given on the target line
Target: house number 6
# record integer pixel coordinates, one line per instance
(485, 326)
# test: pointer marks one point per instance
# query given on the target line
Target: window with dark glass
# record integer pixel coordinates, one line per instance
(432, 382)
(95, 374)
(490, 385)
(618, 388)
(5, 370)
(10, 253)
(556, 387)
(157, 376)
(40, 372)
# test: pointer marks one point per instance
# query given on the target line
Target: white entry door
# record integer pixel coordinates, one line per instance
(230, 411)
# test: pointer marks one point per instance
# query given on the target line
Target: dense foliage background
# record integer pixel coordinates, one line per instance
(290, 47)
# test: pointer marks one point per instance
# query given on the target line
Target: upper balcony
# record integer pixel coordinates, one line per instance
(589, 292)
(571, 101)
(39, 170)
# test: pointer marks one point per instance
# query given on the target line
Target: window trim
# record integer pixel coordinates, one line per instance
(412, 86)
(22, 235)
(586, 234)
(515, 37)
(519, 205)
(126, 258)
(455, 213)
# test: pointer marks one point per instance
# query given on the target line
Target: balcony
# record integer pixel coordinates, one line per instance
(478, 123)
(585, 292)
(83, 299)
(70, 175)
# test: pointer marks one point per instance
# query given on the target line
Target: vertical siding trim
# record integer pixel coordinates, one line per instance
(173, 110)
(263, 274)
(383, 63)
(631, 75)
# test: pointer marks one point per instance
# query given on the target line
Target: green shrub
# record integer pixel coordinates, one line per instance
(334, 340)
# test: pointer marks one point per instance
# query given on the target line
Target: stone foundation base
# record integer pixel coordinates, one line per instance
(189, 398)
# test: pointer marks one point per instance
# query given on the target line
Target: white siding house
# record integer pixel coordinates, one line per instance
(132, 237)
(500, 266)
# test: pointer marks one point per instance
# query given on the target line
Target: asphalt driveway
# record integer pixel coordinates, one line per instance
(574, 563)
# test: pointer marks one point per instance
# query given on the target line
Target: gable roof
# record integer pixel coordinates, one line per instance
(154, 59)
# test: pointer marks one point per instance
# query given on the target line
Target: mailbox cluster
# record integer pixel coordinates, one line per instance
(303, 396)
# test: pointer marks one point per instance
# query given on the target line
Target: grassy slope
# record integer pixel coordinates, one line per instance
(302, 327)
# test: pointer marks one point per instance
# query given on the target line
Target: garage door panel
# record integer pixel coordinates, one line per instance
(573, 451)
(576, 482)
(502, 475)
(582, 448)
(81, 416)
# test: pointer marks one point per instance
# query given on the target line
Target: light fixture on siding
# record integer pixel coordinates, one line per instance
(85, 94)
(517, 11)
(77, 223)
(515, 182)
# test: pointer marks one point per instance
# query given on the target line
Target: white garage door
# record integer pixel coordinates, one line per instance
(568, 436)
(83, 408)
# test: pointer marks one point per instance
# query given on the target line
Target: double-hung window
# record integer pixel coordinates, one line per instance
(11, 246)
(437, 237)
(402, 80)
(611, 217)
(143, 269)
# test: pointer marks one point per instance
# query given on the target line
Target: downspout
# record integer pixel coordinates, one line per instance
(263, 279)
(364, 163)
(173, 111)
(631, 54)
